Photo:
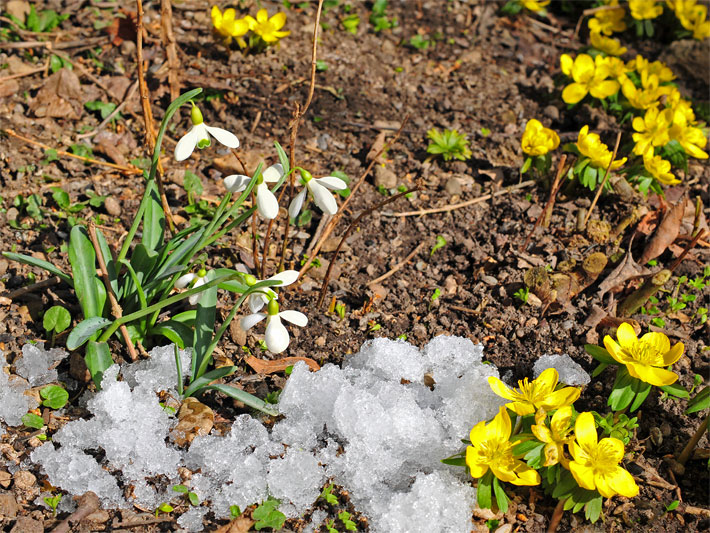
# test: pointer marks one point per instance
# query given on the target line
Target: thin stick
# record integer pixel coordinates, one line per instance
(687, 249)
(556, 516)
(166, 24)
(53, 46)
(606, 177)
(336, 218)
(115, 112)
(353, 224)
(23, 74)
(693, 442)
(398, 266)
(115, 307)
(148, 115)
(467, 203)
(556, 186)
(88, 503)
(125, 169)
(54, 280)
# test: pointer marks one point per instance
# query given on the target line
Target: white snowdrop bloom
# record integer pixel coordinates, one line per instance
(258, 300)
(318, 187)
(276, 337)
(266, 202)
(191, 281)
(199, 136)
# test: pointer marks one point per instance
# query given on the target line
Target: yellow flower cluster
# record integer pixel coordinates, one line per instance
(591, 146)
(538, 140)
(229, 27)
(591, 76)
(692, 16)
(645, 9)
(593, 463)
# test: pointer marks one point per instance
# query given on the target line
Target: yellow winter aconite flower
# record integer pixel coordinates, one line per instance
(690, 138)
(491, 448)
(268, 28)
(538, 140)
(645, 9)
(535, 5)
(589, 75)
(648, 95)
(595, 464)
(645, 357)
(652, 130)
(556, 436)
(617, 69)
(659, 68)
(608, 21)
(608, 45)
(591, 146)
(228, 26)
(660, 169)
(692, 16)
(540, 394)
(678, 104)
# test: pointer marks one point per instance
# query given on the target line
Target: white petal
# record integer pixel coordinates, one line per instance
(276, 337)
(323, 198)
(266, 202)
(295, 317)
(250, 321)
(186, 145)
(195, 298)
(184, 281)
(236, 182)
(296, 204)
(200, 281)
(256, 302)
(273, 173)
(225, 137)
(286, 277)
(332, 183)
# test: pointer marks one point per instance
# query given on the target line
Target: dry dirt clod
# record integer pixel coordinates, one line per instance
(25, 524)
(24, 480)
(8, 505)
(194, 418)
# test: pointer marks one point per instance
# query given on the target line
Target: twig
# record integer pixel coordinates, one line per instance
(23, 74)
(687, 249)
(88, 503)
(603, 183)
(353, 224)
(126, 169)
(166, 24)
(148, 114)
(115, 112)
(115, 307)
(556, 186)
(334, 221)
(556, 516)
(54, 280)
(467, 203)
(693, 442)
(53, 46)
(398, 266)
(137, 523)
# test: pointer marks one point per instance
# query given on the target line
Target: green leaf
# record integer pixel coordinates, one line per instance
(484, 492)
(204, 324)
(182, 489)
(192, 185)
(283, 158)
(56, 319)
(175, 332)
(593, 509)
(458, 461)
(61, 197)
(104, 108)
(641, 388)
(676, 390)
(208, 377)
(565, 485)
(244, 397)
(526, 165)
(600, 354)
(40, 263)
(268, 515)
(84, 330)
(91, 295)
(55, 397)
(153, 219)
(440, 243)
(501, 497)
(700, 401)
(98, 360)
(32, 420)
(622, 393)
(194, 500)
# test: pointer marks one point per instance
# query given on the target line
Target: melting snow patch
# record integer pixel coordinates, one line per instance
(571, 373)
(14, 403)
(37, 365)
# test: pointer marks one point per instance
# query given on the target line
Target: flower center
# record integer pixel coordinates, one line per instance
(645, 353)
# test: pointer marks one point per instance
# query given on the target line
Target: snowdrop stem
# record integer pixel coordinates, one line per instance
(207, 358)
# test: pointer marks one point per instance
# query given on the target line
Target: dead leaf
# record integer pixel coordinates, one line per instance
(269, 367)
(648, 223)
(8, 88)
(59, 97)
(627, 269)
(194, 418)
(241, 524)
(18, 9)
(666, 233)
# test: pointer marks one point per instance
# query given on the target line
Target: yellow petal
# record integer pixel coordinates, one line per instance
(521, 408)
(525, 475)
(251, 21)
(229, 16)
(477, 469)
(659, 377)
(626, 335)
(574, 93)
(500, 427)
(541, 432)
(566, 63)
(501, 389)
(546, 381)
(604, 89)
(611, 449)
(673, 354)
(278, 20)
(560, 420)
(585, 430)
(657, 340)
(478, 432)
(583, 68)
(241, 27)
(262, 16)
(583, 475)
(216, 16)
(560, 398)
(503, 472)
(552, 454)
(623, 483)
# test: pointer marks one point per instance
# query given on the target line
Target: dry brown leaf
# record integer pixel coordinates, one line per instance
(59, 97)
(269, 367)
(241, 524)
(666, 233)
(194, 418)
(627, 269)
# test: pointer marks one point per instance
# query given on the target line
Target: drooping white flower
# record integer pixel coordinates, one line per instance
(266, 202)
(258, 300)
(192, 280)
(199, 136)
(318, 187)
(276, 337)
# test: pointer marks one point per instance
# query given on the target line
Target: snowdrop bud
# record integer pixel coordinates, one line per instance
(273, 307)
(249, 279)
(196, 115)
(307, 176)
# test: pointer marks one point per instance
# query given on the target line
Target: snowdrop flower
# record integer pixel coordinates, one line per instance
(199, 136)
(318, 187)
(276, 338)
(259, 300)
(266, 202)
(192, 280)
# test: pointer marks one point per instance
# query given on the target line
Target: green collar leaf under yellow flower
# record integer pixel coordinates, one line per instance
(492, 449)
(538, 394)
(645, 357)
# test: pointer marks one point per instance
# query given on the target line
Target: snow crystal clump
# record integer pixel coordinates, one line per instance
(570, 372)
(192, 519)
(37, 364)
(297, 479)
(157, 373)
(14, 403)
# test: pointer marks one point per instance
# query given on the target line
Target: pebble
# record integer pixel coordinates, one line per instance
(113, 206)
(128, 48)
(8, 505)
(320, 341)
(551, 112)
(24, 480)
(489, 280)
(25, 524)
(12, 214)
(453, 186)
(384, 177)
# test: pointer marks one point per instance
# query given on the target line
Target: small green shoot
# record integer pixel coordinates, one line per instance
(440, 243)
(485, 131)
(164, 508)
(268, 515)
(344, 517)
(350, 23)
(522, 294)
(328, 496)
(672, 506)
(321, 66)
(54, 396)
(492, 524)
(44, 21)
(340, 309)
(56, 320)
(379, 18)
(53, 502)
(436, 294)
(450, 144)
(104, 108)
(191, 496)
(32, 420)
(234, 511)
(419, 42)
